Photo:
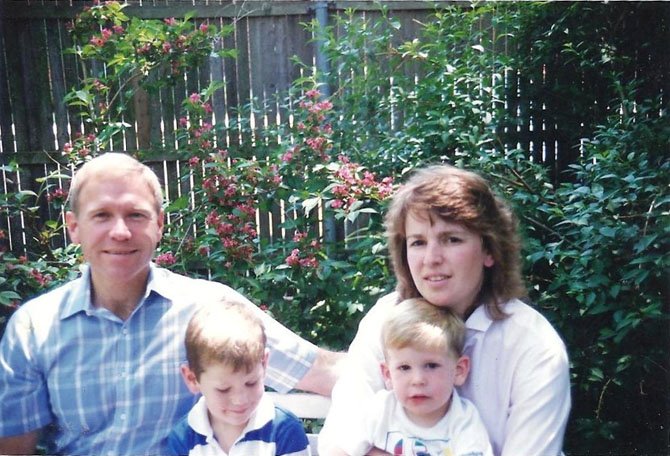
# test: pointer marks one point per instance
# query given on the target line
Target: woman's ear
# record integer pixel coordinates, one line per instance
(462, 370)
(190, 379)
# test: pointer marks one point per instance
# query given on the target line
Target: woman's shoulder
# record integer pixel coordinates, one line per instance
(526, 322)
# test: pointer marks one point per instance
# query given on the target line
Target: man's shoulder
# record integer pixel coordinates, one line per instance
(177, 285)
(52, 301)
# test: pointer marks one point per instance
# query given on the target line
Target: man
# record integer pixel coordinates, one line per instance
(95, 363)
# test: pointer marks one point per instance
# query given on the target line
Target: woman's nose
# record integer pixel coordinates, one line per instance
(433, 254)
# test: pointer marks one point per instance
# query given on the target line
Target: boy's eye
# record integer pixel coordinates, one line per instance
(432, 365)
(223, 390)
(416, 243)
(251, 384)
(403, 367)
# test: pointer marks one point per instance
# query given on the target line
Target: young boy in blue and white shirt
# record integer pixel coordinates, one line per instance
(227, 358)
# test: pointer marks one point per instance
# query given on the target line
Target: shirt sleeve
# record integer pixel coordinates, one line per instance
(360, 379)
(290, 435)
(291, 356)
(24, 400)
(540, 404)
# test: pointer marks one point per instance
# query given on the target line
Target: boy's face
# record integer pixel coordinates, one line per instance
(231, 397)
(423, 381)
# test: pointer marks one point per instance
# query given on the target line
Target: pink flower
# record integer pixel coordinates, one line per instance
(194, 98)
(337, 204)
(166, 259)
(203, 27)
(171, 21)
(294, 258)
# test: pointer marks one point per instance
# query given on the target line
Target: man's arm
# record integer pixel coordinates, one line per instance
(323, 374)
(19, 444)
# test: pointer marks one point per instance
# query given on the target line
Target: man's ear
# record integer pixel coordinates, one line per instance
(71, 222)
(190, 379)
(462, 370)
(386, 373)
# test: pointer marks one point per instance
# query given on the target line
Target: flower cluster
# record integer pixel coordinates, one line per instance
(58, 196)
(304, 256)
(82, 147)
(353, 183)
(313, 134)
(165, 259)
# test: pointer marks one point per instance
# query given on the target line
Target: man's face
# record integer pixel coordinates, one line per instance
(117, 227)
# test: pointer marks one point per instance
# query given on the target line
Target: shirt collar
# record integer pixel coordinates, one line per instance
(79, 299)
(479, 320)
(198, 417)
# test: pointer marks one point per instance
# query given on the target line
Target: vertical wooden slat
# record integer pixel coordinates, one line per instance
(13, 39)
(58, 90)
(40, 88)
(6, 133)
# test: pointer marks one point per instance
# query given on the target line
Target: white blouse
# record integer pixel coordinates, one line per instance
(519, 378)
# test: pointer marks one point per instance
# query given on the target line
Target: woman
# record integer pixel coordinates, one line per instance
(454, 243)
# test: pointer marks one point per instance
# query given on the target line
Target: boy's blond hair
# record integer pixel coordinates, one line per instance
(418, 324)
(227, 332)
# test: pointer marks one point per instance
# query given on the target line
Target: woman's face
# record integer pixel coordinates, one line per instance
(446, 261)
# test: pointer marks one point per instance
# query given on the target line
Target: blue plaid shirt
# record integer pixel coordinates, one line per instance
(113, 387)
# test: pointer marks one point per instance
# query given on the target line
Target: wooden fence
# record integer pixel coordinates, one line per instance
(36, 73)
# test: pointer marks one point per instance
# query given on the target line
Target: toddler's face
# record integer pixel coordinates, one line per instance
(423, 381)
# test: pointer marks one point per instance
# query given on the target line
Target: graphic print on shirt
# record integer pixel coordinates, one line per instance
(399, 444)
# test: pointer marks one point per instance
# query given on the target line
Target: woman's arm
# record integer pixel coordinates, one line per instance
(360, 378)
(540, 406)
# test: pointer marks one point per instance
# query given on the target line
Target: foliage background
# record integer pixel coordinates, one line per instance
(596, 235)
